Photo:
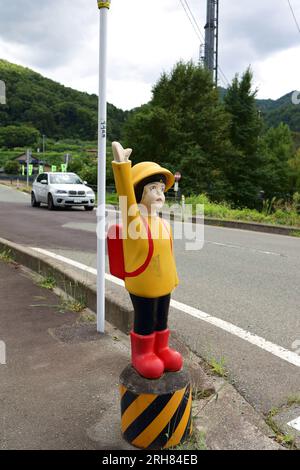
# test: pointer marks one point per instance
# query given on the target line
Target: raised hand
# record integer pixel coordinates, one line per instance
(120, 154)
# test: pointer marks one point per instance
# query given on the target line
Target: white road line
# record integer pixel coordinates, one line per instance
(254, 250)
(295, 424)
(278, 351)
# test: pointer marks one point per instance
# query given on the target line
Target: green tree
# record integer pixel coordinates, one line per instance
(185, 128)
(12, 167)
(294, 167)
(244, 166)
(18, 136)
(276, 147)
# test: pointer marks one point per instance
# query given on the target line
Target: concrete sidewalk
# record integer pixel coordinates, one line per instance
(59, 387)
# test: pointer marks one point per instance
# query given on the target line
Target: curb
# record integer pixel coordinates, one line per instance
(252, 226)
(236, 224)
(117, 306)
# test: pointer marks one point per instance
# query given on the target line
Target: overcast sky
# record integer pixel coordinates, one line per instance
(59, 39)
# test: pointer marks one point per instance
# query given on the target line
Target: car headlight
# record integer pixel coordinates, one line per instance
(90, 193)
(61, 191)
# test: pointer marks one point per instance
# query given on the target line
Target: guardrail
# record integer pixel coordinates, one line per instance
(5, 177)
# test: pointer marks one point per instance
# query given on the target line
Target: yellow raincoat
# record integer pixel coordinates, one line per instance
(160, 276)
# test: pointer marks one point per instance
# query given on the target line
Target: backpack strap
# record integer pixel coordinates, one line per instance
(144, 266)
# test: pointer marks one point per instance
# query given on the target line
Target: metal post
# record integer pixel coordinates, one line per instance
(212, 38)
(217, 44)
(27, 166)
(103, 9)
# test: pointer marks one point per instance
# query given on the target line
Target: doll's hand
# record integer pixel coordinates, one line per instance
(120, 155)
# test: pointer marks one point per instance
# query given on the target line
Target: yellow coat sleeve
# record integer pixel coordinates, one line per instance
(124, 186)
(135, 251)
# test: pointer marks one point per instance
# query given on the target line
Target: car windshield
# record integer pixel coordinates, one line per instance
(65, 178)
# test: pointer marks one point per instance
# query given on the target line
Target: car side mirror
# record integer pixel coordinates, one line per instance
(85, 182)
(44, 182)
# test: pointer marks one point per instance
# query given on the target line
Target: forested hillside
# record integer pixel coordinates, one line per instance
(223, 147)
(277, 111)
(53, 109)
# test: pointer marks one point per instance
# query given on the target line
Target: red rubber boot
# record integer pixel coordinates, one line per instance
(144, 360)
(171, 359)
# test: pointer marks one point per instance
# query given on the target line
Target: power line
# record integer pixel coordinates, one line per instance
(194, 19)
(197, 29)
(294, 16)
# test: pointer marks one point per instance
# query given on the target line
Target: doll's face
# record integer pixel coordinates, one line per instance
(153, 196)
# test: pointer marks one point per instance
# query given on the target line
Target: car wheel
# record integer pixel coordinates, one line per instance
(51, 206)
(34, 202)
(89, 208)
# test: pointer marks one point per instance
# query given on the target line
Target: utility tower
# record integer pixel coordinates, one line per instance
(212, 38)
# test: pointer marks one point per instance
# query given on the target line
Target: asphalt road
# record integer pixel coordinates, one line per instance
(248, 279)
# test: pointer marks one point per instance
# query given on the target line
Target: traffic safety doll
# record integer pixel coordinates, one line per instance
(141, 253)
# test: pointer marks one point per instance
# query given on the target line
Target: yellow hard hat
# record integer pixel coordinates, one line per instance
(144, 170)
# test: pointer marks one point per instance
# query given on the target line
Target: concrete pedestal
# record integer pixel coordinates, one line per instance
(156, 414)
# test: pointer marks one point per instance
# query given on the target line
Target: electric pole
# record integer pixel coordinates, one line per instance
(212, 38)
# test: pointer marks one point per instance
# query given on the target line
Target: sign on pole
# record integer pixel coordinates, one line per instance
(53, 168)
(63, 168)
(30, 170)
(177, 176)
(41, 169)
(102, 117)
(28, 159)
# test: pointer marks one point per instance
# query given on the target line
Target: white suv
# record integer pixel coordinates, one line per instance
(61, 190)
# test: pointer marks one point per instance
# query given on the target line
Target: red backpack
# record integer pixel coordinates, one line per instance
(116, 252)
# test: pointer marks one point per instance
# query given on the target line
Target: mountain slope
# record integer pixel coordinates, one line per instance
(55, 110)
(277, 111)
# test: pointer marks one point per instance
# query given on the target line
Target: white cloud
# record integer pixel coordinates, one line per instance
(278, 74)
(59, 38)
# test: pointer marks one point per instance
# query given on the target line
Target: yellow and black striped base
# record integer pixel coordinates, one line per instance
(156, 414)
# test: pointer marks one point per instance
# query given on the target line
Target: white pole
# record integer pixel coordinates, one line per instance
(103, 8)
(27, 166)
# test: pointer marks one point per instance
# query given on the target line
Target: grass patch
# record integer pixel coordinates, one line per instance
(47, 282)
(201, 394)
(284, 439)
(293, 400)
(197, 441)
(87, 318)
(218, 367)
(6, 256)
(277, 215)
(73, 305)
(295, 234)
(112, 198)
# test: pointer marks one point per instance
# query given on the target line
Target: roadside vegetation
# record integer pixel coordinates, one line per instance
(47, 282)
(275, 212)
(6, 256)
(236, 161)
